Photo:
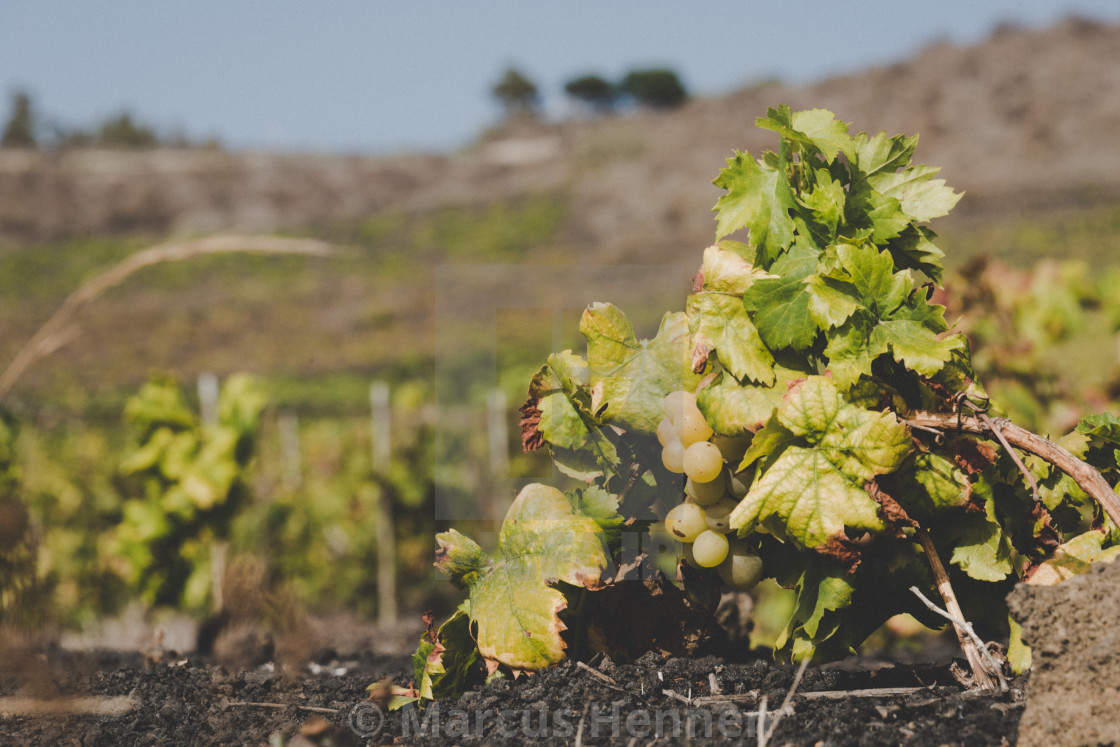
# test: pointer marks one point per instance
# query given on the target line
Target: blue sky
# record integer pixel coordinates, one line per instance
(373, 76)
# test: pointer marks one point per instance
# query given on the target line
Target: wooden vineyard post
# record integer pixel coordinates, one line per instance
(386, 540)
(209, 391)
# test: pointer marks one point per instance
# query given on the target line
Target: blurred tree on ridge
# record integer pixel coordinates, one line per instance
(517, 93)
(19, 132)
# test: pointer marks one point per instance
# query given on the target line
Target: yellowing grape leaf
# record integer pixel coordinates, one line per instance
(1073, 558)
(726, 271)
(512, 604)
(720, 323)
(630, 377)
(815, 488)
(734, 409)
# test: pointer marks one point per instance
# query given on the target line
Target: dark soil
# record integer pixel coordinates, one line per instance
(181, 701)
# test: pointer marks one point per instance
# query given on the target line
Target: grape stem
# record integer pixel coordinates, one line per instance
(1088, 478)
(956, 617)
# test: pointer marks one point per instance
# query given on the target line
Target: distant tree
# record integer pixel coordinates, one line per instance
(593, 91)
(656, 88)
(122, 132)
(20, 130)
(517, 93)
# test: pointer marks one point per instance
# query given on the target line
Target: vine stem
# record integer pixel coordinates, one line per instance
(1089, 479)
(968, 645)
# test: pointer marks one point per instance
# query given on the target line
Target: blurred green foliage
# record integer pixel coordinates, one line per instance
(187, 482)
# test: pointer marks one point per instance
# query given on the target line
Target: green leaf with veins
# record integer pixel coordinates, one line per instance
(826, 201)
(882, 153)
(448, 666)
(811, 624)
(755, 202)
(720, 323)
(734, 409)
(810, 129)
(780, 306)
(1105, 426)
(563, 423)
(831, 301)
(515, 610)
(630, 377)
(816, 487)
(580, 448)
(769, 442)
(921, 196)
(980, 547)
(881, 289)
(933, 484)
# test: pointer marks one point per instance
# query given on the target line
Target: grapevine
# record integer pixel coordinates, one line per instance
(809, 417)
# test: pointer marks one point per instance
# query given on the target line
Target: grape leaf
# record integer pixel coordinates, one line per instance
(447, 666)
(933, 484)
(1073, 558)
(826, 201)
(981, 549)
(629, 378)
(816, 487)
(558, 413)
(515, 610)
(1105, 426)
(831, 301)
(780, 306)
(882, 153)
(858, 342)
(720, 323)
(881, 289)
(754, 201)
(725, 271)
(556, 384)
(811, 625)
(814, 129)
(922, 197)
(733, 409)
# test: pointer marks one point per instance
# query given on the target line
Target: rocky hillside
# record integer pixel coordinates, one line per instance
(1024, 121)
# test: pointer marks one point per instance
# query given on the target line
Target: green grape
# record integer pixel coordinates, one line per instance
(741, 569)
(709, 548)
(702, 461)
(666, 431)
(693, 428)
(719, 515)
(686, 520)
(672, 456)
(676, 403)
(739, 484)
(707, 493)
(732, 447)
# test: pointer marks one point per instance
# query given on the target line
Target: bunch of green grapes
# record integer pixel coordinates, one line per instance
(702, 522)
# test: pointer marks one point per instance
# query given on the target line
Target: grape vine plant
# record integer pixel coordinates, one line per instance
(809, 417)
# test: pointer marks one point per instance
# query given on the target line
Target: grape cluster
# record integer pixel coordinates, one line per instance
(702, 521)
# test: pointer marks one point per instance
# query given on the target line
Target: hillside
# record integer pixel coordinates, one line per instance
(1019, 122)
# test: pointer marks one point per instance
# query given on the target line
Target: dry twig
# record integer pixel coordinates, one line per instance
(985, 654)
(764, 738)
(968, 645)
(52, 335)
